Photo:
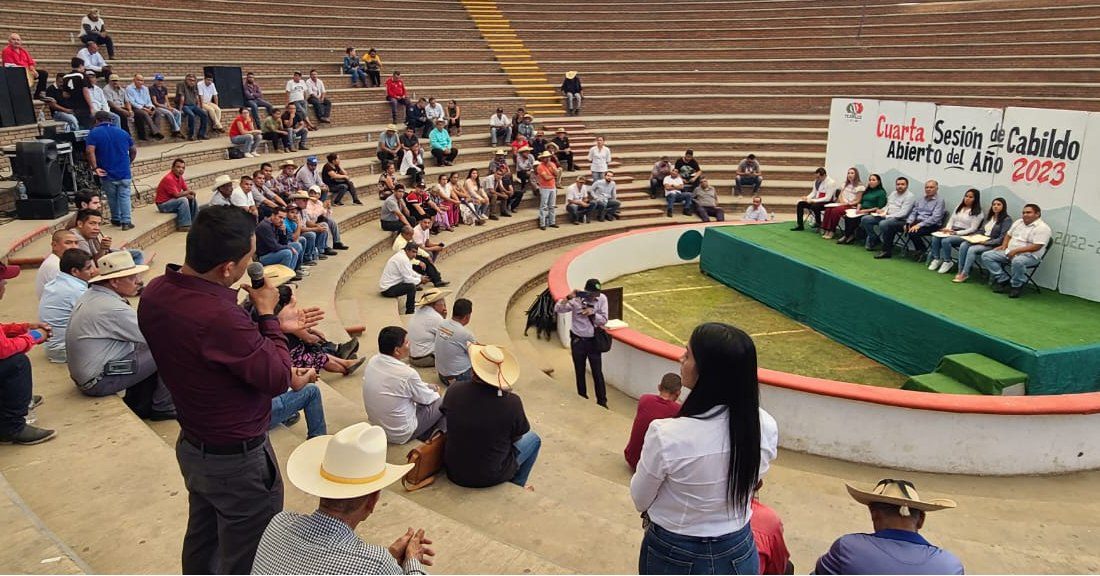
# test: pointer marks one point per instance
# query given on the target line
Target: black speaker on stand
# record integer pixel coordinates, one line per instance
(230, 85)
(16, 106)
(39, 168)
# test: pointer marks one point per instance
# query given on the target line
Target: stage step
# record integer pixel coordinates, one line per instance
(983, 374)
(936, 382)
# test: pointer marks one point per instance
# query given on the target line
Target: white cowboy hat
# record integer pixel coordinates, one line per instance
(315, 189)
(898, 493)
(571, 74)
(287, 162)
(432, 295)
(117, 265)
(299, 195)
(348, 464)
(544, 154)
(220, 181)
(494, 365)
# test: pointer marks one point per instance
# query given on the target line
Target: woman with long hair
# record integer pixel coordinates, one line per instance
(965, 221)
(696, 474)
(849, 197)
(995, 227)
(871, 199)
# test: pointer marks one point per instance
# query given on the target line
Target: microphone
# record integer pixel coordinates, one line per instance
(256, 274)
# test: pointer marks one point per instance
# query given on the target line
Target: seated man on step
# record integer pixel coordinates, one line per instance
(395, 397)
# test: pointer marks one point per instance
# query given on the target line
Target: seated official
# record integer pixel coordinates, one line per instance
(423, 326)
(706, 202)
(107, 353)
(395, 397)
(890, 219)
(60, 242)
(489, 440)
(748, 174)
(756, 211)
(452, 342)
(926, 218)
(604, 194)
(767, 532)
(995, 228)
(399, 278)
(1022, 249)
(59, 297)
(965, 221)
(652, 407)
(896, 546)
(821, 193)
(423, 262)
(871, 199)
(347, 472)
(848, 198)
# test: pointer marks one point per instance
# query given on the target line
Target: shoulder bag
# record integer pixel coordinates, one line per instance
(427, 461)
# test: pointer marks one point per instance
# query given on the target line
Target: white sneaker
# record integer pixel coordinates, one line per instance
(946, 267)
(935, 264)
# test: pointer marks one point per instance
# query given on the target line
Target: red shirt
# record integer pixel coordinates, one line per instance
(650, 407)
(14, 339)
(16, 57)
(395, 88)
(240, 125)
(170, 188)
(547, 175)
(767, 529)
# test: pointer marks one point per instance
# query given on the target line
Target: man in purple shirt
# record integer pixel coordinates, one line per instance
(926, 217)
(895, 547)
(222, 369)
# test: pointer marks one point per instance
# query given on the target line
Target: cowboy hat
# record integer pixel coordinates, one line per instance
(299, 195)
(440, 121)
(545, 154)
(525, 116)
(315, 189)
(221, 180)
(560, 131)
(500, 152)
(898, 493)
(431, 296)
(348, 464)
(494, 365)
(524, 148)
(117, 265)
(391, 127)
(571, 74)
(276, 275)
(287, 162)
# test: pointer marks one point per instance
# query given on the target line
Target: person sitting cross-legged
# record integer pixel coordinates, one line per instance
(60, 296)
(423, 326)
(1022, 249)
(395, 397)
(348, 472)
(399, 278)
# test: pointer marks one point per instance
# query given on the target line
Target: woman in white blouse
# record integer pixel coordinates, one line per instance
(695, 478)
(849, 197)
(965, 221)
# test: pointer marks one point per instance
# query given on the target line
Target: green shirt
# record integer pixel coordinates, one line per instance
(873, 198)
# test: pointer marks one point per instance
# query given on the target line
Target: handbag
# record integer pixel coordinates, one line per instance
(603, 340)
(427, 461)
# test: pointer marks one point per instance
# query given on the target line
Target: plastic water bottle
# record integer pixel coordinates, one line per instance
(21, 190)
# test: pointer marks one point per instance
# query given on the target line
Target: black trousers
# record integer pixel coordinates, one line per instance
(231, 499)
(102, 41)
(375, 77)
(406, 288)
(384, 157)
(15, 392)
(585, 349)
(392, 225)
(815, 207)
(426, 267)
(566, 158)
(440, 157)
(339, 190)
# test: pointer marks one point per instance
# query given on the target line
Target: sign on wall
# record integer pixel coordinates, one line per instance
(1081, 241)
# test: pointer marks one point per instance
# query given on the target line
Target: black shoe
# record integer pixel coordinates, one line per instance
(159, 416)
(127, 226)
(158, 136)
(28, 435)
(585, 396)
(36, 401)
(340, 246)
(440, 284)
(554, 226)
(797, 228)
(576, 222)
(882, 255)
(603, 405)
(357, 202)
(116, 223)
(668, 213)
(297, 278)
(494, 217)
(1000, 287)
(292, 420)
(1014, 292)
(329, 252)
(321, 256)
(337, 203)
(347, 349)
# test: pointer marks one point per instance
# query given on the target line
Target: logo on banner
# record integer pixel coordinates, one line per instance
(854, 111)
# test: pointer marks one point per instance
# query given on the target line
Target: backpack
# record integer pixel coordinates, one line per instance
(541, 315)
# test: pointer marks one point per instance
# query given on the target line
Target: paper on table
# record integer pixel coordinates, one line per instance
(976, 238)
(851, 213)
(939, 234)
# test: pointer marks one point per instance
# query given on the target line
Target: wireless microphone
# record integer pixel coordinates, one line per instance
(256, 273)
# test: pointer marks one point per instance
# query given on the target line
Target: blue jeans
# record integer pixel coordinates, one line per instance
(70, 121)
(137, 255)
(466, 376)
(942, 247)
(358, 75)
(547, 207)
(675, 197)
(290, 402)
(996, 261)
(527, 451)
(284, 257)
(333, 229)
(254, 109)
(665, 552)
(192, 112)
(970, 253)
(246, 143)
(118, 199)
(185, 209)
(299, 251)
(308, 240)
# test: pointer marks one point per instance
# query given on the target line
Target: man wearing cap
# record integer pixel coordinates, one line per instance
(399, 278)
(60, 241)
(347, 472)
(323, 231)
(588, 312)
(16, 381)
(539, 144)
(443, 149)
(117, 102)
(526, 127)
(162, 106)
(317, 96)
(296, 92)
(452, 340)
(565, 154)
(107, 352)
(273, 243)
(577, 201)
(60, 296)
(895, 547)
(500, 128)
(430, 313)
(388, 145)
(395, 397)
(141, 106)
(190, 105)
(93, 60)
(605, 201)
(309, 176)
(99, 99)
(600, 158)
(489, 440)
(525, 165)
(396, 94)
(254, 98)
(546, 174)
(571, 88)
(109, 152)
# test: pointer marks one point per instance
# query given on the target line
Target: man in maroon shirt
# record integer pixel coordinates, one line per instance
(222, 369)
(173, 195)
(652, 407)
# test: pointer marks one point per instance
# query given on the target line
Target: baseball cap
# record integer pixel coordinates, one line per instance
(158, 76)
(7, 272)
(311, 160)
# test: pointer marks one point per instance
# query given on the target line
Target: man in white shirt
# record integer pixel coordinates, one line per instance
(756, 212)
(93, 60)
(1022, 249)
(422, 235)
(208, 93)
(500, 127)
(422, 262)
(600, 157)
(99, 99)
(296, 93)
(674, 192)
(61, 241)
(821, 193)
(318, 97)
(430, 313)
(576, 201)
(399, 278)
(434, 111)
(395, 397)
(225, 194)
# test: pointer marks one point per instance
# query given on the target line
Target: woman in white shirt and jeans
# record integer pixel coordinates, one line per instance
(697, 471)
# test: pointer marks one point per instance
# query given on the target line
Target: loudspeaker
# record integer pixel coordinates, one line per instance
(39, 167)
(16, 107)
(230, 85)
(42, 208)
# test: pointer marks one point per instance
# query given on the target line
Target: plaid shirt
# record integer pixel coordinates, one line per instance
(320, 544)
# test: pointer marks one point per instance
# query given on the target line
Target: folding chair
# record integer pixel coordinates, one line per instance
(1031, 270)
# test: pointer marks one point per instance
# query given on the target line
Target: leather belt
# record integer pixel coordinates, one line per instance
(225, 449)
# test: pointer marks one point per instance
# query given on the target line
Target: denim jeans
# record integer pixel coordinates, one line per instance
(118, 199)
(605, 208)
(942, 247)
(577, 212)
(358, 75)
(466, 376)
(996, 261)
(674, 197)
(185, 209)
(970, 253)
(70, 121)
(246, 143)
(321, 108)
(308, 241)
(527, 451)
(299, 251)
(505, 133)
(284, 257)
(741, 181)
(291, 402)
(254, 109)
(393, 106)
(15, 394)
(300, 107)
(573, 101)
(334, 230)
(174, 117)
(888, 229)
(665, 552)
(547, 208)
(193, 112)
(300, 134)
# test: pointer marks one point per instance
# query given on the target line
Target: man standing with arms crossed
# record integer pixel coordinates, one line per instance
(222, 369)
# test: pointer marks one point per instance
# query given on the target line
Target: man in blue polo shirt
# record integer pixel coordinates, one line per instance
(110, 151)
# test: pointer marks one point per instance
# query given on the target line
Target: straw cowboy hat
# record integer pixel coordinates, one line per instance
(299, 195)
(898, 493)
(315, 189)
(524, 148)
(545, 154)
(117, 265)
(431, 296)
(500, 152)
(391, 127)
(348, 464)
(220, 181)
(571, 74)
(287, 162)
(494, 365)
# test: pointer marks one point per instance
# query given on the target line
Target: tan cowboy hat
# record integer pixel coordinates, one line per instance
(525, 116)
(560, 131)
(220, 181)
(898, 493)
(500, 152)
(545, 154)
(524, 148)
(391, 127)
(287, 162)
(117, 265)
(276, 274)
(571, 74)
(348, 464)
(299, 195)
(440, 121)
(494, 365)
(431, 296)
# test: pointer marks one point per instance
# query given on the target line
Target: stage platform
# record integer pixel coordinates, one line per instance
(903, 315)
